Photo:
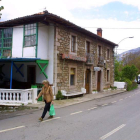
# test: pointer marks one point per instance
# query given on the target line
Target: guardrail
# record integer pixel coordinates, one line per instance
(16, 96)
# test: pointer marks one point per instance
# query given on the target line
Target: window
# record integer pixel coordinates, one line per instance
(30, 33)
(108, 76)
(108, 54)
(99, 53)
(6, 42)
(73, 43)
(72, 76)
(87, 47)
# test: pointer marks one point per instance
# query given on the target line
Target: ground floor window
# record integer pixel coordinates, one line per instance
(72, 76)
(108, 75)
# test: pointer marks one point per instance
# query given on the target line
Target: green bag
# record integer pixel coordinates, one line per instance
(52, 111)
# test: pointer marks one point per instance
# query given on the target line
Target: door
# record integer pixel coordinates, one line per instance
(99, 81)
(31, 74)
(87, 80)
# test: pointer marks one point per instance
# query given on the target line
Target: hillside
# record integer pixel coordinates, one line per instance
(128, 52)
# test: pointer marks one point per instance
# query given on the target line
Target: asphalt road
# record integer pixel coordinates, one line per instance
(111, 118)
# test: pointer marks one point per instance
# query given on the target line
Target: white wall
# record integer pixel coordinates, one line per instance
(43, 41)
(120, 85)
(17, 41)
(46, 49)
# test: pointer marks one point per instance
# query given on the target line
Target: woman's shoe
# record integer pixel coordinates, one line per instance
(50, 117)
(40, 119)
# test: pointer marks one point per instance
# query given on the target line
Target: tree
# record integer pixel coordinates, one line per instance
(129, 72)
(132, 59)
(118, 69)
(1, 8)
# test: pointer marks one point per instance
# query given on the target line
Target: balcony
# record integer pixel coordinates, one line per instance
(100, 61)
(90, 59)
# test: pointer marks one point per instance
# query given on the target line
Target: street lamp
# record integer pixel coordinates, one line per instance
(121, 41)
(125, 38)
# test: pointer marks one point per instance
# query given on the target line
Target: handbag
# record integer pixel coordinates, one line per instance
(52, 111)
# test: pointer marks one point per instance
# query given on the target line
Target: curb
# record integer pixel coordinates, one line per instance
(39, 108)
(90, 100)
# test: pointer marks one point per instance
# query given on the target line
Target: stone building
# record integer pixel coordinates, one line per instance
(74, 58)
(83, 60)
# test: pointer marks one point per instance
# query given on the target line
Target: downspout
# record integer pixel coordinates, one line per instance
(55, 62)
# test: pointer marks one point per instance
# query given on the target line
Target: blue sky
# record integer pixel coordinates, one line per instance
(113, 10)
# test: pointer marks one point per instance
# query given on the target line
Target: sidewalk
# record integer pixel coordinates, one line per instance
(72, 101)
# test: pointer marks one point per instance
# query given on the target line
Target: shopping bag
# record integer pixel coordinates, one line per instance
(52, 111)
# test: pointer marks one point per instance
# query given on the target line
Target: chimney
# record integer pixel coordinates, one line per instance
(99, 32)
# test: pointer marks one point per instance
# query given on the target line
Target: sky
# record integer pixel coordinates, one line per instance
(119, 19)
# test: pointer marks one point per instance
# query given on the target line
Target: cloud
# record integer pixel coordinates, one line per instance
(126, 12)
(18, 8)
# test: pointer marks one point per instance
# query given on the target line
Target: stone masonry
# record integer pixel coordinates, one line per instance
(63, 36)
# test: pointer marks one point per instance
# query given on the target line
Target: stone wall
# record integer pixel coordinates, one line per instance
(63, 66)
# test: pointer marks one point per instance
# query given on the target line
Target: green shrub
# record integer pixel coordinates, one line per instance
(131, 85)
(113, 87)
(59, 95)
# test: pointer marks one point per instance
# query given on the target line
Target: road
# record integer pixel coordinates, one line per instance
(111, 118)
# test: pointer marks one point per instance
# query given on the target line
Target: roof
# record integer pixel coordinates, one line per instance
(47, 17)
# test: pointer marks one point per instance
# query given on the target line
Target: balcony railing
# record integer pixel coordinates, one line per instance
(90, 59)
(100, 61)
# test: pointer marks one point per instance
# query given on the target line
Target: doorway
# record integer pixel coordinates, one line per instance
(87, 81)
(99, 81)
(31, 74)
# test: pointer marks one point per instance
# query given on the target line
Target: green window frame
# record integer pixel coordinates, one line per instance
(6, 40)
(30, 35)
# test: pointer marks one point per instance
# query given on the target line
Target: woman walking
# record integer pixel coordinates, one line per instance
(48, 98)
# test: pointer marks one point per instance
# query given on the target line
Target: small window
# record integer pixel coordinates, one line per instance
(108, 76)
(99, 54)
(30, 35)
(108, 54)
(72, 76)
(87, 47)
(73, 43)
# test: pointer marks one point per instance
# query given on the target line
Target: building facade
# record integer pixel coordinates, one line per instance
(45, 46)
(83, 61)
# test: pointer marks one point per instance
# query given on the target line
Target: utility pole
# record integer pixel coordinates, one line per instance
(1, 8)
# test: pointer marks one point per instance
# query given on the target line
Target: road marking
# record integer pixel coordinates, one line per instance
(51, 119)
(104, 104)
(11, 129)
(120, 99)
(76, 112)
(92, 108)
(112, 132)
(113, 102)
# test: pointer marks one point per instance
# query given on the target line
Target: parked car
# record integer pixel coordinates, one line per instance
(138, 80)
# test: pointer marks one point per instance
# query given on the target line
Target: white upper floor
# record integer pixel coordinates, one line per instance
(27, 41)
